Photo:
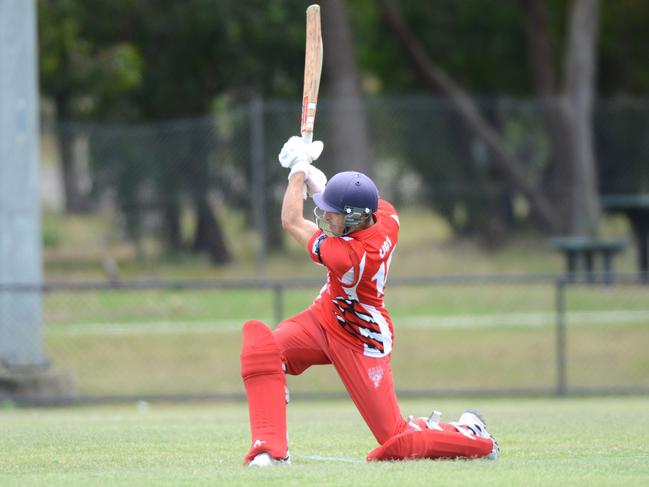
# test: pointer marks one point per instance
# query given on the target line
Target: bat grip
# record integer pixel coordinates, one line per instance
(307, 137)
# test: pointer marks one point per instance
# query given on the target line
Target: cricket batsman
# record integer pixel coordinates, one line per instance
(353, 237)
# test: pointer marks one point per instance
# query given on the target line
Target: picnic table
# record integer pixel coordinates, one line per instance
(584, 250)
(636, 208)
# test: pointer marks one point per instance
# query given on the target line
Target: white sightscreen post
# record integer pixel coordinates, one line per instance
(21, 341)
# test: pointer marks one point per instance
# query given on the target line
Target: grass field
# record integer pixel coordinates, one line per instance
(544, 442)
(448, 337)
(187, 342)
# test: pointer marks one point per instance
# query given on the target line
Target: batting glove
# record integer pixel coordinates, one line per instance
(295, 150)
(315, 180)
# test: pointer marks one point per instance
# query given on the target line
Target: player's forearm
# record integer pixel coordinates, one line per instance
(293, 203)
(293, 220)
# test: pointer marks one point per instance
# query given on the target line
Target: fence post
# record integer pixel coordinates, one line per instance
(561, 337)
(278, 294)
(259, 180)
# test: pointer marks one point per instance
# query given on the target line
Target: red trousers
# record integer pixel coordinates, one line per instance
(300, 342)
(304, 342)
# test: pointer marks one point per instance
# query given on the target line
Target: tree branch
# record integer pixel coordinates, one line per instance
(434, 77)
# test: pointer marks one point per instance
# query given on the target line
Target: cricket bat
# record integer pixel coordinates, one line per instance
(312, 71)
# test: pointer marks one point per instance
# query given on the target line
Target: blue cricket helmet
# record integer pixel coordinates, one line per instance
(349, 190)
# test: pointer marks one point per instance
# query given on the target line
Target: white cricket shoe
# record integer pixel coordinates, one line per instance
(265, 460)
(472, 420)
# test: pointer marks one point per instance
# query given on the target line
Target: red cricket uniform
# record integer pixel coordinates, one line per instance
(348, 325)
(351, 303)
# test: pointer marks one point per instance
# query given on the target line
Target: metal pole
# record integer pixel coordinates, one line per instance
(21, 336)
(259, 181)
(561, 337)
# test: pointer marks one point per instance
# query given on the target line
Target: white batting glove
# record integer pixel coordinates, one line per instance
(296, 150)
(315, 180)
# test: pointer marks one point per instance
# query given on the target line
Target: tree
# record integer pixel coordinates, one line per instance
(570, 179)
(85, 71)
(576, 107)
(349, 145)
(182, 57)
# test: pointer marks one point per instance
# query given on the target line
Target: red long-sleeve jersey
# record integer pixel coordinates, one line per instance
(351, 302)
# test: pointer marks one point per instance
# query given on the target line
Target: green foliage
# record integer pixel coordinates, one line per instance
(485, 53)
(148, 60)
(194, 52)
(623, 44)
(86, 65)
(172, 58)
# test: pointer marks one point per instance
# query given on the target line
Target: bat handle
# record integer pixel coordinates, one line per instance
(307, 137)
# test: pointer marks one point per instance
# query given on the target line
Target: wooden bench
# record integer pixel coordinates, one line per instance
(585, 250)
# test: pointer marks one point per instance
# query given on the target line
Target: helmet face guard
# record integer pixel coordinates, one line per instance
(353, 218)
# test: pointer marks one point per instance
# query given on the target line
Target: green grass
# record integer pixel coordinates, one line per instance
(544, 442)
(448, 337)
(166, 342)
(204, 361)
(403, 301)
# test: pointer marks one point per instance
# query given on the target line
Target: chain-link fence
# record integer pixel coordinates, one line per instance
(159, 176)
(535, 334)
(176, 183)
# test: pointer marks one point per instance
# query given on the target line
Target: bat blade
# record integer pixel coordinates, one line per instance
(312, 71)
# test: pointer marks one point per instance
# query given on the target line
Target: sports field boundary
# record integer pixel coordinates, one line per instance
(143, 400)
(559, 320)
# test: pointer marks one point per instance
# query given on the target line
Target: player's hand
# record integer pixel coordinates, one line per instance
(295, 150)
(315, 180)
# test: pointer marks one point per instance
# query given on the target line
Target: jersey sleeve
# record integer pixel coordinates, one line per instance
(313, 246)
(389, 210)
(335, 253)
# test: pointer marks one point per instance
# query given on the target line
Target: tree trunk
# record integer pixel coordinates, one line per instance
(435, 78)
(75, 200)
(209, 237)
(579, 88)
(349, 148)
(171, 216)
(535, 16)
(562, 175)
(73, 196)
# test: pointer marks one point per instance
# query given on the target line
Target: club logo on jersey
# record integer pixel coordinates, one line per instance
(315, 248)
(357, 321)
(375, 374)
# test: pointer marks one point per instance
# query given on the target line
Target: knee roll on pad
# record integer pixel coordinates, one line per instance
(260, 354)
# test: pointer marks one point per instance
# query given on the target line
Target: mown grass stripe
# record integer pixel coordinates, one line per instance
(540, 319)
